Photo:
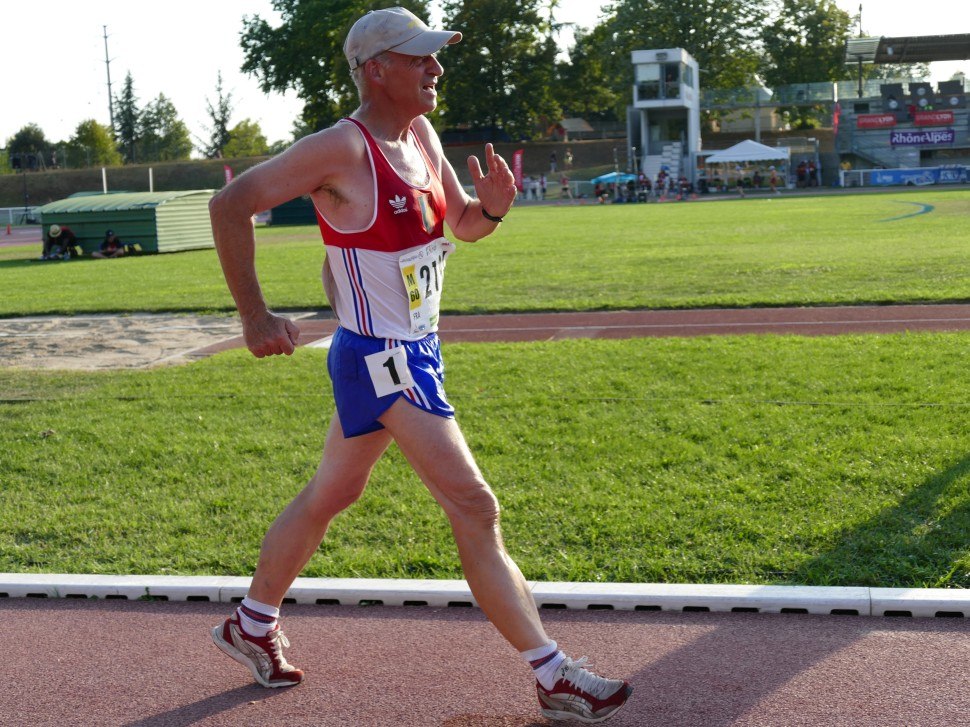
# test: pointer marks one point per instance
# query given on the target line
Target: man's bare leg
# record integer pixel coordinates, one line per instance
(436, 449)
(298, 531)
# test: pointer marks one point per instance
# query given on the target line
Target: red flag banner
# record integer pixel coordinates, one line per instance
(517, 168)
(228, 170)
(933, 118)
(875, 121)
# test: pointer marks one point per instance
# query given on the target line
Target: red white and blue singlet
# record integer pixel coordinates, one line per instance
(384, 280)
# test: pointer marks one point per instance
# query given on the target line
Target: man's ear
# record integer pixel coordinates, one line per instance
(374, 70)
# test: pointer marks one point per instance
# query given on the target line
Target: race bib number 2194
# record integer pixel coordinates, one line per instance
(423, 271)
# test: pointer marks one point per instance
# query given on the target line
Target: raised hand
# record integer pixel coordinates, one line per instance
(496, 187)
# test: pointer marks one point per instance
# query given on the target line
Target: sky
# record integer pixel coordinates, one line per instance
(53, 56)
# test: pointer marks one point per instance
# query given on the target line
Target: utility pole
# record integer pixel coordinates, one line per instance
(23, 172)
(107, 63)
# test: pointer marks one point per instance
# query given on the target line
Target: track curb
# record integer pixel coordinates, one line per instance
(818, 600)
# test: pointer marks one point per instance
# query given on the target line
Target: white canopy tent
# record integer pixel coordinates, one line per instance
(734, 163)
(749, 151)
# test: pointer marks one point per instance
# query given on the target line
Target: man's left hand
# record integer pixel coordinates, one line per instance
(496, 188)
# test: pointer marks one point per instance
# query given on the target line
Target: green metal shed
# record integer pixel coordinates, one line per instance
(299, 211)
(155, 221)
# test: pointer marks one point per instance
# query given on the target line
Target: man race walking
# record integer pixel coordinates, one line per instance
(383, 191)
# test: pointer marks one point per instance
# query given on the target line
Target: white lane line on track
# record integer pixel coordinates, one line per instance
(738, 324)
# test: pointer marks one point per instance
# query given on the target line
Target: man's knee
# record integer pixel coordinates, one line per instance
(473, 505)
(327, 497)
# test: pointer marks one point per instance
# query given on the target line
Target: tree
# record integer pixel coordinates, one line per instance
(504, 78)
(305, 53)
(890, 71)
(163, 136)
(246, 139)
(278, 147)
(127, 120)
(579, 82)
(805, 43)
(27, 147)
(220, 115)
(93, 145)
(721, 35)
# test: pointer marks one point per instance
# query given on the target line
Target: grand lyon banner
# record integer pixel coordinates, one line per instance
(875, 121)
(933, 118)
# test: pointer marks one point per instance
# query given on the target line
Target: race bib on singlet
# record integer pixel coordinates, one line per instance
(423, 271)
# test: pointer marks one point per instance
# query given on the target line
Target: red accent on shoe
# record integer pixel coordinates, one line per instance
(262, 655)
(566, 700)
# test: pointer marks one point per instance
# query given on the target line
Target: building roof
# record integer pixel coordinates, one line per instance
(116, 202)
(908, 49)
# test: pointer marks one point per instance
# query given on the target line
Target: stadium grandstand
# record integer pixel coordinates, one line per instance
(906, 132)
(885, 132)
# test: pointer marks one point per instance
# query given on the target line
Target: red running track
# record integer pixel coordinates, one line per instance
(835, 320)
(86, 662)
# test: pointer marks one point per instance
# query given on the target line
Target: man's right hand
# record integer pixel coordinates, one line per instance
(270, 335)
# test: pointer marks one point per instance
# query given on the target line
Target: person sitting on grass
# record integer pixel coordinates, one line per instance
(111, 247)
(60, 243)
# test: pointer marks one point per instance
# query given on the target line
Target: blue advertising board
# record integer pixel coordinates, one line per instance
(918, 177)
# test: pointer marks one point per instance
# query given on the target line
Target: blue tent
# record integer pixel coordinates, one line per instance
(613, 177)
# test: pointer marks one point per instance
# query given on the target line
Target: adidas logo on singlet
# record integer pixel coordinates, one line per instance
(399, 204)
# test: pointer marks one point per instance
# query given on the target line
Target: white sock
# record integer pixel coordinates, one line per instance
(545, 662)
(257, 619)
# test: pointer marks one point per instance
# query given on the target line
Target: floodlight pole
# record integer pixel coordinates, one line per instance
(107, 63)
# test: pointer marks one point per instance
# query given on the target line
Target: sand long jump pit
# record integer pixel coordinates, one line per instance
(110, 341)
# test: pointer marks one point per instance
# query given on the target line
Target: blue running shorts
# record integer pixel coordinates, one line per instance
(369, 374)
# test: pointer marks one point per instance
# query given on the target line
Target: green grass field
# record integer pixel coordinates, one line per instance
(754, 252)
(754, 459)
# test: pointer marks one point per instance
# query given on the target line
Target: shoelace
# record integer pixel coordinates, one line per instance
(278, 639)
(576, 673)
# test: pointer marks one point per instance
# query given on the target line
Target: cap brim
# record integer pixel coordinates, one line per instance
(426, 43)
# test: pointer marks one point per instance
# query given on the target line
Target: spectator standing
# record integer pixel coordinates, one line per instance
(739, 172)
(552, 162)
(565, 189)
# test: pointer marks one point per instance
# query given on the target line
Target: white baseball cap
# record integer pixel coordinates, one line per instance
(394, 29)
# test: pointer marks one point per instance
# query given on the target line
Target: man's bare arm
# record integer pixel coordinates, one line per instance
(301, 169)
(495, 189)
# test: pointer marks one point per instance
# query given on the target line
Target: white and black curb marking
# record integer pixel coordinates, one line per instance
(855, 601)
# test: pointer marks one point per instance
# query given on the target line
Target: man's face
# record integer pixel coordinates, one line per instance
(413, 80)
